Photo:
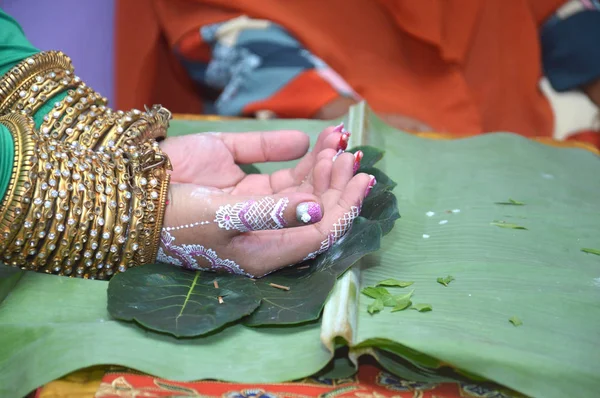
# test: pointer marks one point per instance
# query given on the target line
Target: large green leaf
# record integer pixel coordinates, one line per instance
(50, 325)
(180, 302)
(539, 275)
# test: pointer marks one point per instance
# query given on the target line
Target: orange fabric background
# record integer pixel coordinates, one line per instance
(461, 66)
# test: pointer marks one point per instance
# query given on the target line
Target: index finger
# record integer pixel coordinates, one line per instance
(267, 146)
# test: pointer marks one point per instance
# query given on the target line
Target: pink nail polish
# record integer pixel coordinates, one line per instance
(343, 144)
(371, 185)
(339, 128)
(357, 158)
(309, 213)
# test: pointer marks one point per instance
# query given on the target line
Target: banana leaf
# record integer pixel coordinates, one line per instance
(447, 193)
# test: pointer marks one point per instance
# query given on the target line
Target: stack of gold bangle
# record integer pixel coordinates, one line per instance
(89, 188)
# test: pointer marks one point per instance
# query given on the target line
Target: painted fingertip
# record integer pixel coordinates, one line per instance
(372, 183)
(339, 128)
(343, 144)
(309, 213)
(357, 158)
(340, 151)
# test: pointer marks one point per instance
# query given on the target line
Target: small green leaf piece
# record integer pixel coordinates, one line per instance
(401, 305)
(375, 292)
(504, 224)
(445, 281)
(422, 307)
(511, 202)
(394, 283)
(402, 302)
(515, 321)
(375, 306)
(591, 251)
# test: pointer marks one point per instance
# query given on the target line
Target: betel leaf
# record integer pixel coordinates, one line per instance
(591, 251)
(375, 306)
(515, 321)
(422, 307)
(371, 155)
(504, 224)
(445, 281)
(511, 202)
(394, 283)
(182, 303)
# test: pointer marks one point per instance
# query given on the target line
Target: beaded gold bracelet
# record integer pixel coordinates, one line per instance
(16, 201)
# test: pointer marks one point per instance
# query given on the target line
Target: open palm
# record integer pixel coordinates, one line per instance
(211, 159)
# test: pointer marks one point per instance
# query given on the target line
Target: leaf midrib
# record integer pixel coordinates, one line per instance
(187, 298)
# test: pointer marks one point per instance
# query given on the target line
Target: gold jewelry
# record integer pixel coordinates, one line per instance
(24, 75)
(16, 201)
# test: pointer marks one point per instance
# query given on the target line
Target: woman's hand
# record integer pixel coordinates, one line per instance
(256, 224)
(211, 159)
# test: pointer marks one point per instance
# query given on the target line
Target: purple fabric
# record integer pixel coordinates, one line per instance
(80, 28)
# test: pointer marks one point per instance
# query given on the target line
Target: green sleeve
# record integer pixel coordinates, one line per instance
(14, 47)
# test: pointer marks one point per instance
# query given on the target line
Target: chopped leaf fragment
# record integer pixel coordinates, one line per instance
(394, 283)
(591, 251)
(375, 306)
(375, 292)
(511, 202)
(504, 224)
(422, 307)
(402, 302)
(515, 321)
(445, 281)
(381, 294)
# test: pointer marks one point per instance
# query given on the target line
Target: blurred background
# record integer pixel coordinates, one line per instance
(84, 29)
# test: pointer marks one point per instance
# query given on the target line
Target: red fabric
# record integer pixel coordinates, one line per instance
(589, 136)
(302, 97)
(370, 382)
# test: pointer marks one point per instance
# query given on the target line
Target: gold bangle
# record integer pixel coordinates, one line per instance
(153, 165)
(23, 76)
(17, 199)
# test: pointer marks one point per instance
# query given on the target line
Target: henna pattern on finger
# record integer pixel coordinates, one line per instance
(338, 230)
(264, 214)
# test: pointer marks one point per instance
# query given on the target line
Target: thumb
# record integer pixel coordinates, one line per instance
(234, 214)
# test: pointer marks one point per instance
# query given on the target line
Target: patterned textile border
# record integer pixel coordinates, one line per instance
(370, 382)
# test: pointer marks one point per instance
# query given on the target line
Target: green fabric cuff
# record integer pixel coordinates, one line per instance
(14, 46)
(7, 157)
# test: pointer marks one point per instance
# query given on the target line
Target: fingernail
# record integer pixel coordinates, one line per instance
(343, 144)
(340, 151)
(309, 213)
(339, 128)
(357, 158)
(372, 183)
